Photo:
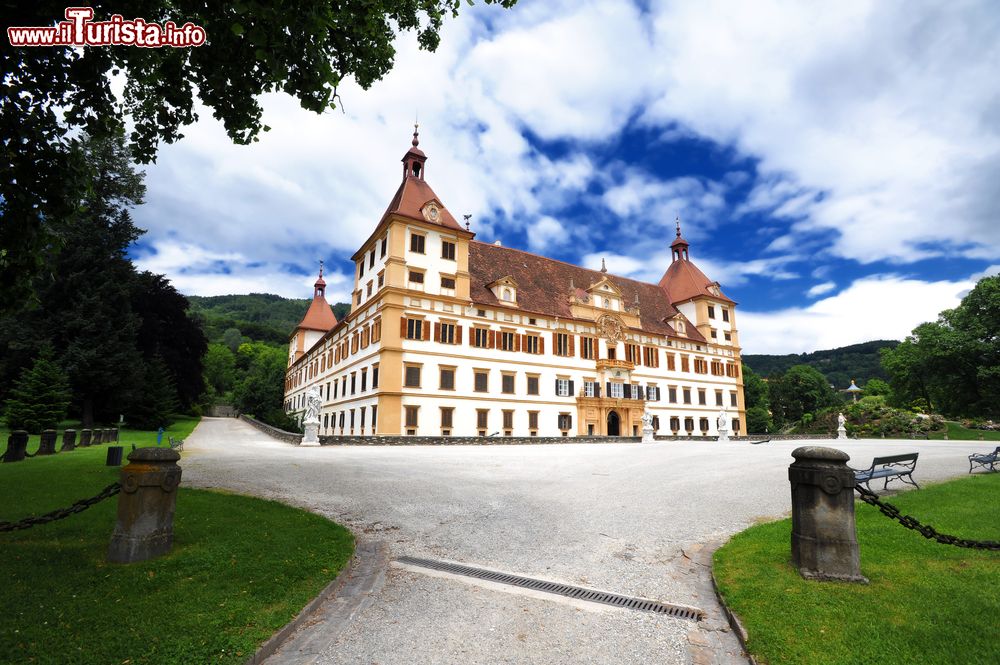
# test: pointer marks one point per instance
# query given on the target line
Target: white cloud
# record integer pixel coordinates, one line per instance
(886, 108)
(196, 271)
(875, 307)
(821, 288)
(873, 122)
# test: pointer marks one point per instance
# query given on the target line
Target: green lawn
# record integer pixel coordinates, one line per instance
(240, 569)
(957, 432)
(927, 603)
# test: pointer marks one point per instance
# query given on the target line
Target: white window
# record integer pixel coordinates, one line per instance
(590, 388)
(618, 390)
(562, 387)
(507, 295)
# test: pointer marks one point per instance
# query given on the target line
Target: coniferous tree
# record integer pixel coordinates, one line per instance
(40, 396)
(154, 404)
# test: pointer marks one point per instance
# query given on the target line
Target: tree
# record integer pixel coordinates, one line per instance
(87, 314)
(877, 387)
(220, 368)
(168, 333)
(261, 392)
(232, 338)
(40, 396)
(155, 403)
(953, 364)
(304, 48)
(801, 390)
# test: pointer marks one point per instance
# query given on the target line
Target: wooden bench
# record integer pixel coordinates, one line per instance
(889, 468)
(985, 460)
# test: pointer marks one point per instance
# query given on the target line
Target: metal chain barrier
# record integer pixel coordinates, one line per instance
(62, 513)
(925, 530)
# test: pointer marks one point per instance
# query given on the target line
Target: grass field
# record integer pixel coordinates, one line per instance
(240, 569)
(927, 602)
(959, 433)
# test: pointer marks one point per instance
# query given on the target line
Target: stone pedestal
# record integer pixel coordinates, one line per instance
(17, 446)
(69, 440)
(824, 537)
(723, 435)
(47, 443)
(85, 436)
(647, 435)
(145, 525)
(841, 433)
(311, 436)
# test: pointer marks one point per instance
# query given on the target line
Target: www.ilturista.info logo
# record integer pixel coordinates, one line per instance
(79, 30)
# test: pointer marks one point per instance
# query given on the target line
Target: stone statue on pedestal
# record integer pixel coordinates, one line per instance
(722, 423)
(841, 429)
(311, 421)
(647, 427)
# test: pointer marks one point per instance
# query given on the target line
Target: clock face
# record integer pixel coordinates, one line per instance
(432, 213)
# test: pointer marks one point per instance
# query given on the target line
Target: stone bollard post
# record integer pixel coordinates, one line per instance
(824, 537)
(17, 446)
(47, 444)
(85, 435)
(106, 435)
(69, 440)
(145, 526)
(114, 434)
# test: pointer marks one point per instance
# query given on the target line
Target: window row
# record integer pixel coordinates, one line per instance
(344, 422)
(345, 386)
(487, 423)
(563, 344)
(418, 245)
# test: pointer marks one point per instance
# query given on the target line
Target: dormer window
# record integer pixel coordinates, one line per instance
(505, 290)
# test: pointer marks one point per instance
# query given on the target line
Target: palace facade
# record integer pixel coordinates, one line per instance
(449, 336)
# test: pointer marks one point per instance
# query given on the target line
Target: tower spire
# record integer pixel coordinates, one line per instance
(679, 247)
(604, 268)
(319, 288)
(413, 160)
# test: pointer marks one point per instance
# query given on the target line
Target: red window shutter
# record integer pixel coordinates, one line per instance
(493, 339)
(437, 331)
(402, 327)
(458, 334)
(541, 344)
(427, 330)
(555, 342)
(572, 345)
(517, 342)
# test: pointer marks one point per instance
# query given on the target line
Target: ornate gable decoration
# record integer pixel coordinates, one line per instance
(505, 290)
(678, 323)
(611, 328)
(605, 294)
(432, 211)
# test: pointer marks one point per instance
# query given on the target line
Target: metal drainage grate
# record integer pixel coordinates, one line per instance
(578, 593)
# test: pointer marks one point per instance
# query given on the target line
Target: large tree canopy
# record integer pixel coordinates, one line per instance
(304, 48)
(953, 364)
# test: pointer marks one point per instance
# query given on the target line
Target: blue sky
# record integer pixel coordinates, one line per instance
(834, 166)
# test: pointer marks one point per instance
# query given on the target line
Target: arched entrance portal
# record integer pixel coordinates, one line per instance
(614, 424)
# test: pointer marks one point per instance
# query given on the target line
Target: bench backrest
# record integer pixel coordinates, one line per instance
(895, 459)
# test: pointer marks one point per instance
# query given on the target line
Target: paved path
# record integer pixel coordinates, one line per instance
(637, 519)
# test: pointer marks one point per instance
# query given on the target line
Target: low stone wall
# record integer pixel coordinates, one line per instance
(501, 440)
(280, 434)
(223, 411)
(468, 440)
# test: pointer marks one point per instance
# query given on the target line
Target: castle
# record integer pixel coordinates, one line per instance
(449, 336)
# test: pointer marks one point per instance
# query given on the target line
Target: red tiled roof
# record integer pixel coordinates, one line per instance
(543, 286)
(413, 194)
(319, 316)
(683, 281)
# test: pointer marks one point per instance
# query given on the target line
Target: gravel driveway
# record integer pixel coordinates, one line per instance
(637, 519)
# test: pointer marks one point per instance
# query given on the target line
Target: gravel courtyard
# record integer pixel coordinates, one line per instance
(637, 519)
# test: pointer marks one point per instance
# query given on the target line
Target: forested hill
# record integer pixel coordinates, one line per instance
(858, 361)
(259, 317)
